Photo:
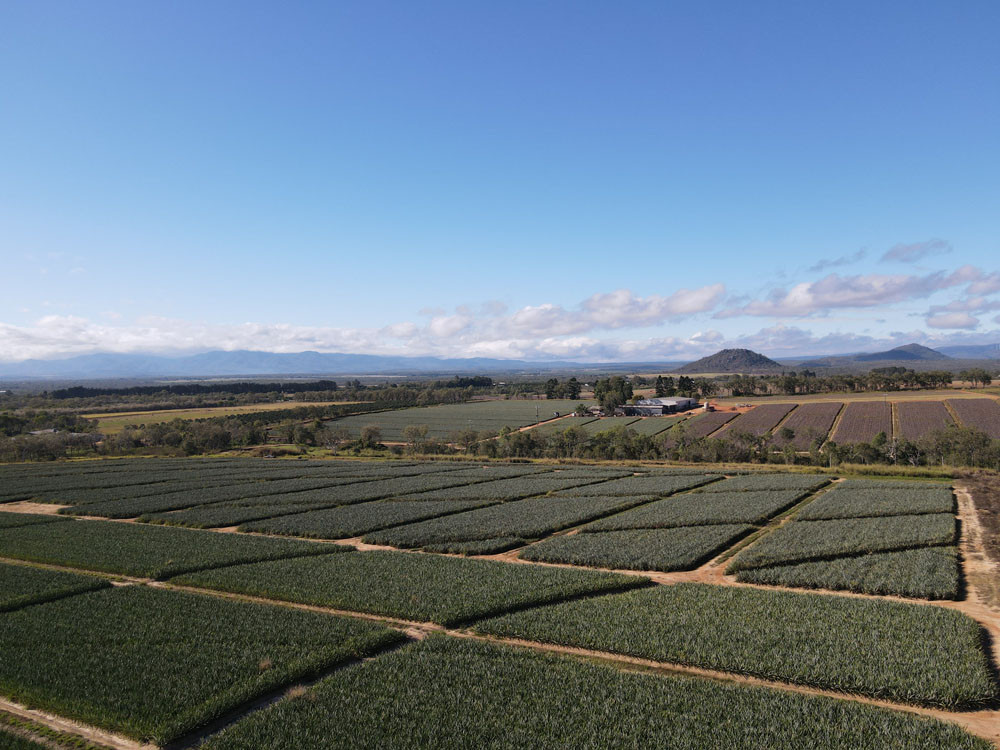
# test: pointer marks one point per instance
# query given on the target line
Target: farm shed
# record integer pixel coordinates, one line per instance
(649, 407)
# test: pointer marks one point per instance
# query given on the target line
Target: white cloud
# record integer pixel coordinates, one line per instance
(862, 291)
(914, 251)
(843, 260)
(952, 320)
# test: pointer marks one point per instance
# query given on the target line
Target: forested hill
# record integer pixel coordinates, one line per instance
(732, 360)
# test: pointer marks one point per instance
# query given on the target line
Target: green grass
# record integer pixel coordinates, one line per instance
(845, 501)
(645, 549)
(697, 509)
(904, 652)
(487, 696)
(10, 740)
(659, 484)
(424, 588)
(355, 520)
(524, 519)
(930, 573)
(144, 551)
(21, 585)
(813, 540)
(155, 664)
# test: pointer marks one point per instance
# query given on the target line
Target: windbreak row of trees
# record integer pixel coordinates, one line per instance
(954, 446)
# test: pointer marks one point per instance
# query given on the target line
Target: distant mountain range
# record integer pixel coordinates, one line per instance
(910, 355)
(220, 364)
(986, 351)
(251, 363)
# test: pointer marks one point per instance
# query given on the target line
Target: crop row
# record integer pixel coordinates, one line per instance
(757, 482)
(847, 501)
(13, 520)
(498, 696)
(758, 421)
(700, 426)
(506, 489)
(657, 485)
(812, 540)
(699, 509)
(861, 421)
(21, 585)
(524, 519)
(928, 573)
(210, 656)
(444, 420)
(919, 418)
(146, 551)
(218, 515)
(640, 549)
(904, 652)
(979, 413)
(424, 588)
(810, 423)
(306, 491)
(354, 520)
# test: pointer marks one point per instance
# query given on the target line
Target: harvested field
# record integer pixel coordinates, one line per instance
(758, 421)
(919, 418)
(701, 425)
(862, 421)
(810, 423)
(978, 413)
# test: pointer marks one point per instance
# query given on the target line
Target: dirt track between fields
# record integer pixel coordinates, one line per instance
(44, 509)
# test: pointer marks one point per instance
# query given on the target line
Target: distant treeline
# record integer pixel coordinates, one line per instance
(194, 389)
(953, 446)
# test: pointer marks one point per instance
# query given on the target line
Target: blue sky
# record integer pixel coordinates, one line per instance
(599, 181)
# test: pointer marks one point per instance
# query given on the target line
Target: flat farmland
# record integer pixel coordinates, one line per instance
(919, 418)
(115, 422)
(861, 421)
(978, 413)
(810, 422)
(702, 425)
(489, 605)
(758, 421)
(445, 420)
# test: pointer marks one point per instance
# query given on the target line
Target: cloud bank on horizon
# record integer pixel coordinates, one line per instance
(607, 326)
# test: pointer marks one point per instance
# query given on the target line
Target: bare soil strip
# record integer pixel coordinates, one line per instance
(60, 724)
(23, 506)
